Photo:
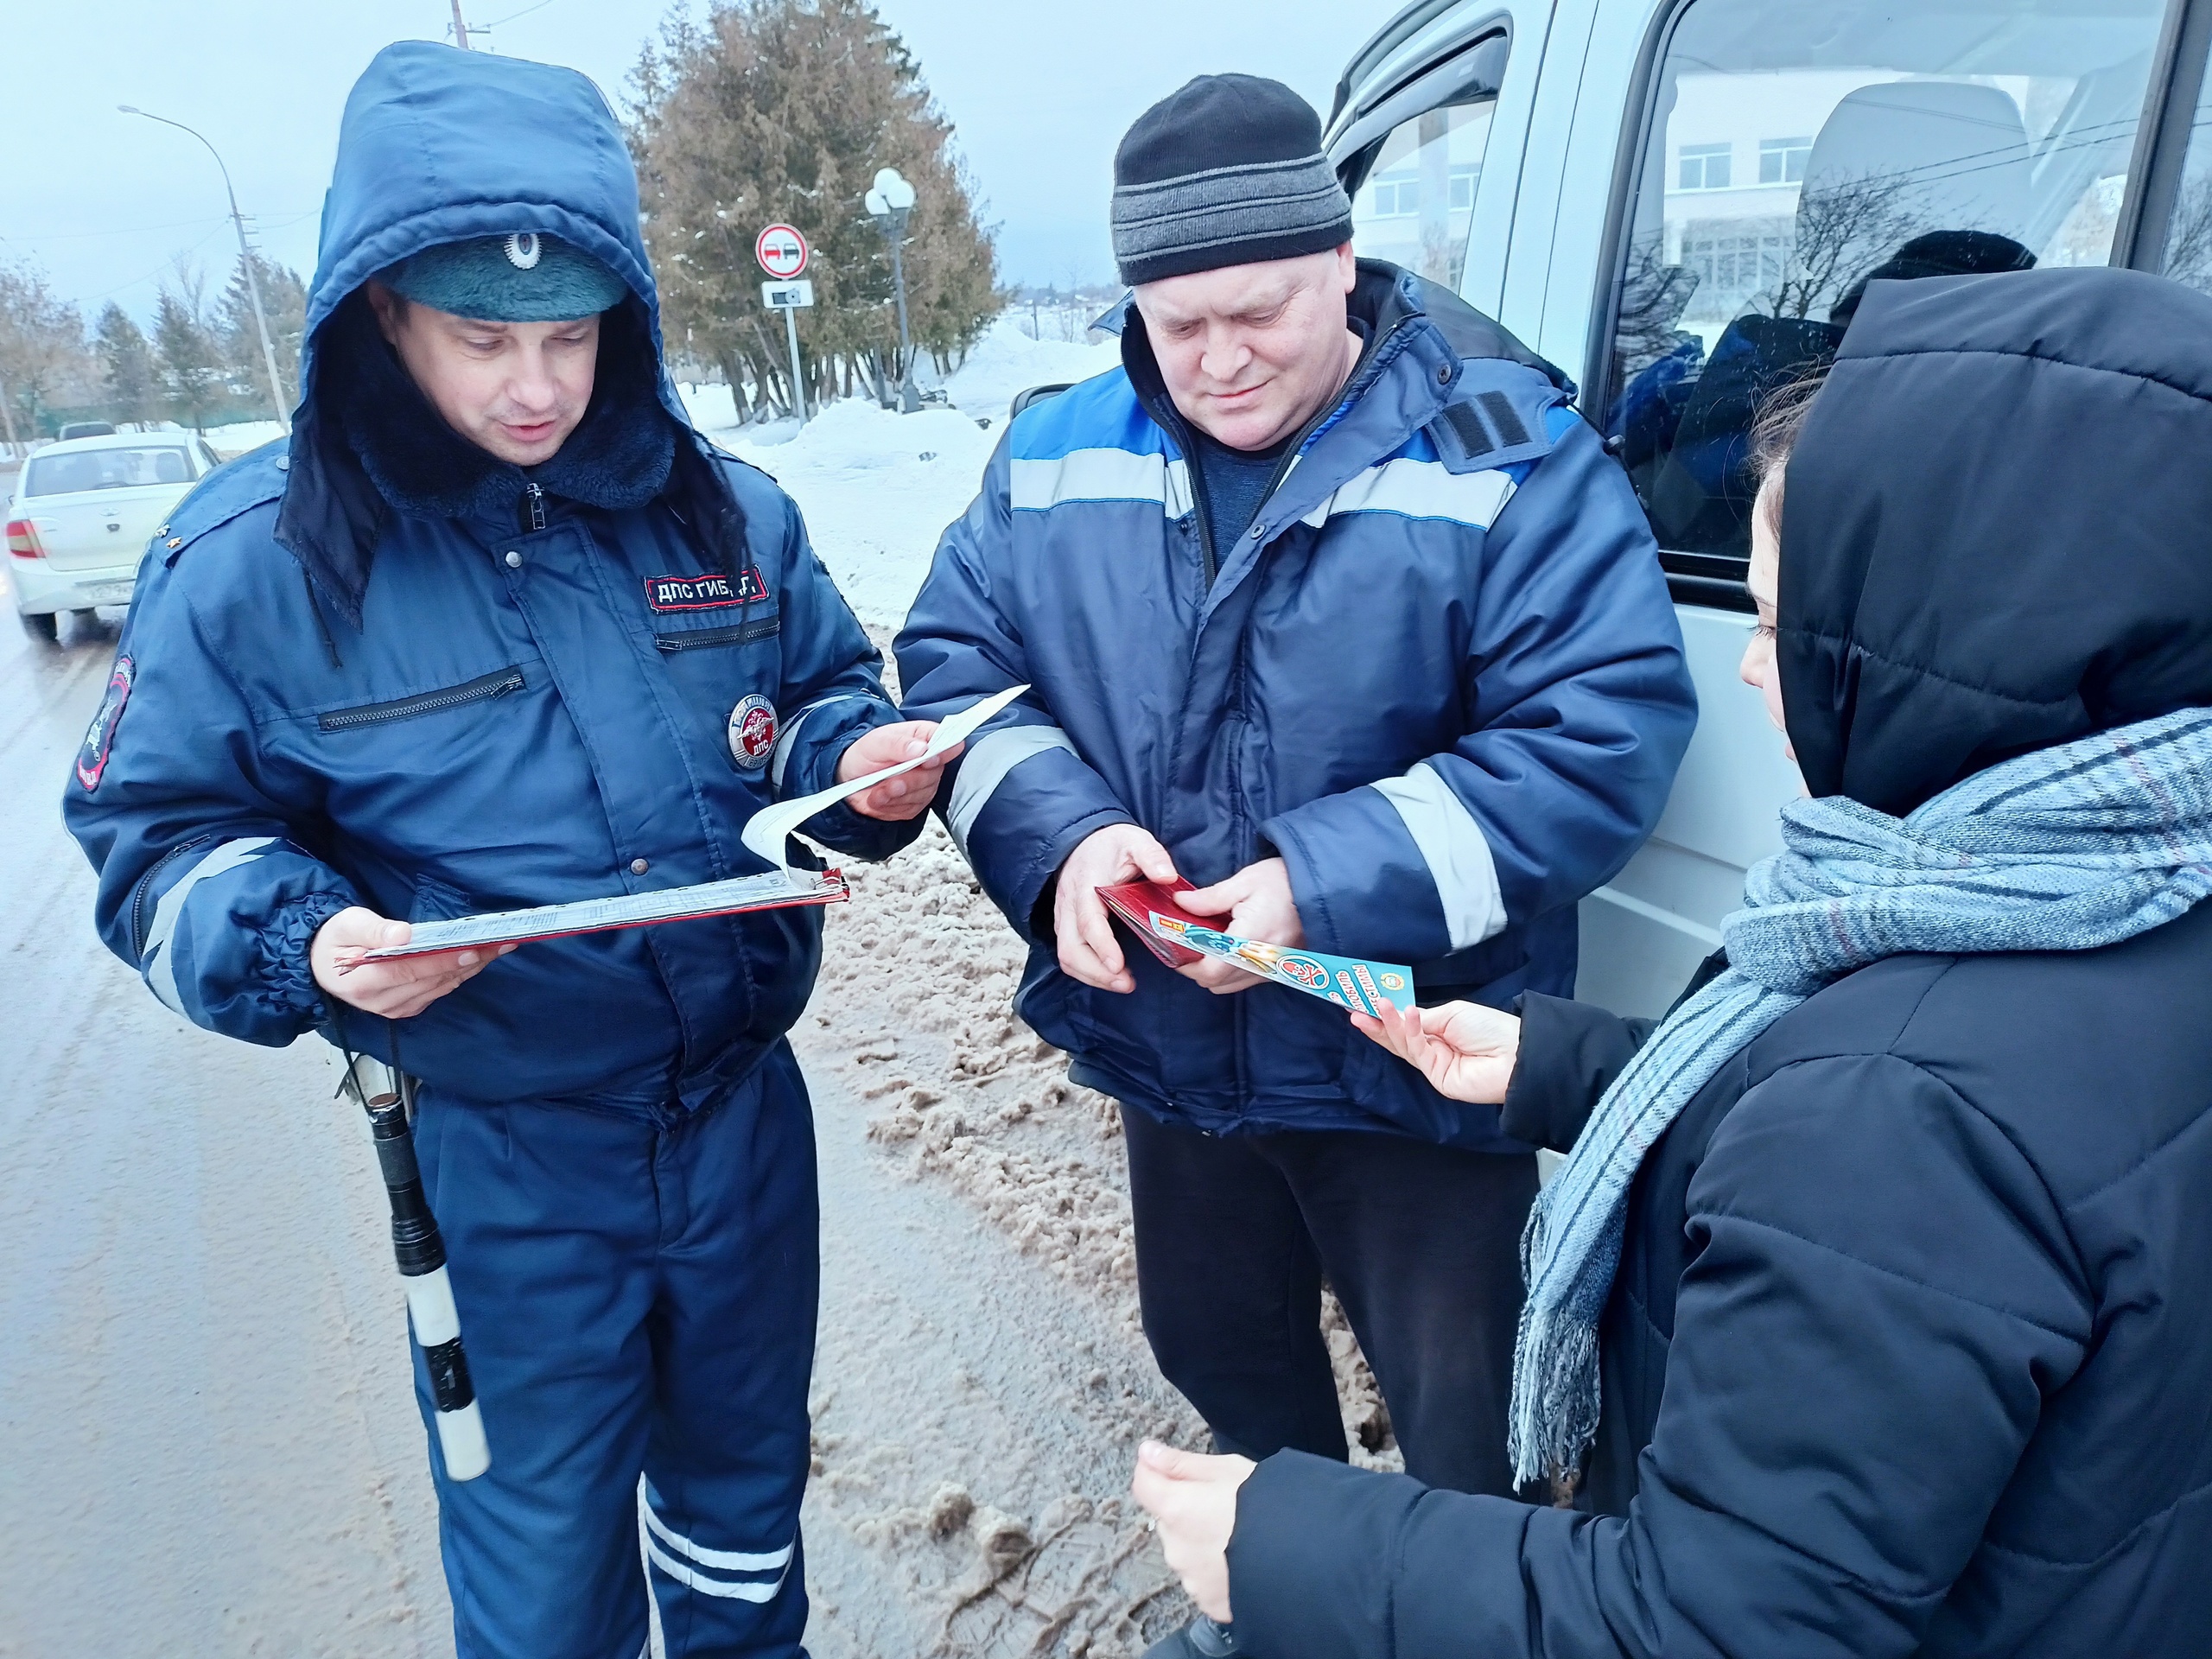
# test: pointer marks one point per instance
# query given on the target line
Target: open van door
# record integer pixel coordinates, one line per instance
(1684, 199)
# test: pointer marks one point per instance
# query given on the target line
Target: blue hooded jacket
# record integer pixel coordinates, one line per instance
(326, 695)
(1440, 676)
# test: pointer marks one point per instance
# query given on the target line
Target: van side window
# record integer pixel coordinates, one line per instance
(2186, 254)
(1415, 161)
(1790, 156)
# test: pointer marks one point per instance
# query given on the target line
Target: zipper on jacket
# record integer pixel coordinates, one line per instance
(495, 684)
(533, 506)
(741, 633)
(139, 922)
(1329, 412)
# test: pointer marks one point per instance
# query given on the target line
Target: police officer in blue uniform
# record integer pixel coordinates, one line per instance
(497, 627)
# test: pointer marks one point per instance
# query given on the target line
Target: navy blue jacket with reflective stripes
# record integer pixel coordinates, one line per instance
(1441, 676)
(449, 713)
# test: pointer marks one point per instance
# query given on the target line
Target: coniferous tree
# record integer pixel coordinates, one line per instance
(187, 349)
(126, 366)
(284, 301)
(783, 111)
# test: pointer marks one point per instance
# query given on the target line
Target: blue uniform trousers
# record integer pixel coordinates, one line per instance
(637, 1295)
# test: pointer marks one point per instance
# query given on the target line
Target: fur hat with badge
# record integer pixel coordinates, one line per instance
(528, 276)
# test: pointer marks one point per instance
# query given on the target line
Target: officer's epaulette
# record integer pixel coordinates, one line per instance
(1496, 417)
(255, 478)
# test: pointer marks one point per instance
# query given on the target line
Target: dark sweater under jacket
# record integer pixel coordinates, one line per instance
(1910, 1349)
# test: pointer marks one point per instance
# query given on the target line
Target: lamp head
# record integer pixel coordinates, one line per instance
(893, 189)
(129, 108)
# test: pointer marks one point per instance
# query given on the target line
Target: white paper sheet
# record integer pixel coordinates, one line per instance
(768, 831)
(771, 891)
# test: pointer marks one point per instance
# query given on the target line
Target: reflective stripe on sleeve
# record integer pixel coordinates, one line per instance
(780, 756)
(155, 963)
(985, 766)
(1453, 846)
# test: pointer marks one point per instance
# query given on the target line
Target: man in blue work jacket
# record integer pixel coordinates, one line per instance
(1334, 607)
(497, 628)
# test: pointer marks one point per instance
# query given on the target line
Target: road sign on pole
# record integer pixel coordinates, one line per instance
(790, 298)
(781, 251)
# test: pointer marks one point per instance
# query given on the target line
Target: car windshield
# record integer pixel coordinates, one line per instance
(1796, 153)
(106, 469)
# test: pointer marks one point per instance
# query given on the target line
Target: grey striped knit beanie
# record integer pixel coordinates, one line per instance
(1227, 171)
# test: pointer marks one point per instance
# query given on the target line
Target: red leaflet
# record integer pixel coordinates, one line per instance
(1137, 902)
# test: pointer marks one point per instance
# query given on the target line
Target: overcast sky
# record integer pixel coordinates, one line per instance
(1038, 91)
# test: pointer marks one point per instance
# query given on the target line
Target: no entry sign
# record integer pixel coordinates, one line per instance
(781, 252)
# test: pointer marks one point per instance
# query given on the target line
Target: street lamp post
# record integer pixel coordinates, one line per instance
(246, 259)
(888, 204)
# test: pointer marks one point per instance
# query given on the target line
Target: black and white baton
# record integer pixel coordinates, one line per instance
(422, 1254)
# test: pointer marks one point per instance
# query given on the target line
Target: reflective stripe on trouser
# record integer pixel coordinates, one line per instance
(638, 1301)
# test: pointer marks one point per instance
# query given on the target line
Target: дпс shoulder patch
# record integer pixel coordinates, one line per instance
(100, 737)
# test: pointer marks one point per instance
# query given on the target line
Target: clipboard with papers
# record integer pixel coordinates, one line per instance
(777, 890)
(766, 834)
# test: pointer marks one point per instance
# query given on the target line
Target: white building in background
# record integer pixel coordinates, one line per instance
(1738, 149)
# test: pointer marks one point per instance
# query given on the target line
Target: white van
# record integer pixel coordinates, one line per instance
(1677, 202)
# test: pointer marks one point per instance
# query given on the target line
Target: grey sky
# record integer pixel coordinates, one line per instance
(1039, 91)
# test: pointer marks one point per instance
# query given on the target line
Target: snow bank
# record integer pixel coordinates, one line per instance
(876, 489)
(242, 435)
(1006, 361)
(710, 407)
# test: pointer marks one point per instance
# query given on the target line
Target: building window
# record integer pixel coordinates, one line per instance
(1735, 260)
(1396, 198)
(1399, 196)
(1705, 166)
(1782, 161)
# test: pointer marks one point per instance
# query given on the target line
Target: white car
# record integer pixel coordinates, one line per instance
(83, 512)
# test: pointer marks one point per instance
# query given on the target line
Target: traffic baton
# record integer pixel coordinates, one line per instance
(384, 1094)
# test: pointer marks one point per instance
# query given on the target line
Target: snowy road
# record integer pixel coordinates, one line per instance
(210, 1446)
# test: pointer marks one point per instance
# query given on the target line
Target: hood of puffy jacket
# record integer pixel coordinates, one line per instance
(440, 145)
(1997, 528)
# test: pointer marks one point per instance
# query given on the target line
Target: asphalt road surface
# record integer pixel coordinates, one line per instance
(210, 1443)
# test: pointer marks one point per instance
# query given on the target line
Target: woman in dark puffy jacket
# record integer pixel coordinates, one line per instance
(1871, 1312)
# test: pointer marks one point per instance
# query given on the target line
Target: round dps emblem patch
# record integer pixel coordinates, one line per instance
(752, 732)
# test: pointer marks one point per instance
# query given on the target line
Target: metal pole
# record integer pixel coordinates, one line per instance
(798, 387)
(246, 259)
(908, 402)
(460, 29)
